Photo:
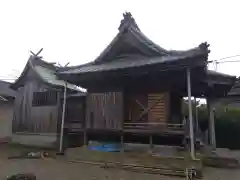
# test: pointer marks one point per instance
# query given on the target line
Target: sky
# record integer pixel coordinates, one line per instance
(77, 31)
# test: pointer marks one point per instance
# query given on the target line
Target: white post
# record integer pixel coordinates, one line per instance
(196, 114)
(190, 113)
(211, 129)
(63, 117)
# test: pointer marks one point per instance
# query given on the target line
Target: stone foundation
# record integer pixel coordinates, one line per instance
(45, 140)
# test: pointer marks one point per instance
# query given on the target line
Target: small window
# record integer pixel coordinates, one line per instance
(48, 98)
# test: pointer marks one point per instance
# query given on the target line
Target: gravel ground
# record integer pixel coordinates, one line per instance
(221, 174)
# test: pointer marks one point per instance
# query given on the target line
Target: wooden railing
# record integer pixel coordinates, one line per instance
(153, 126)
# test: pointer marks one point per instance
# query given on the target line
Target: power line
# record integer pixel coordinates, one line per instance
(228, 61)
(216, 62)
(227, 57)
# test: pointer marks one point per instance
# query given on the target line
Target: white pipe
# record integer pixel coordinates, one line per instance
(190, 113)
(63, 117)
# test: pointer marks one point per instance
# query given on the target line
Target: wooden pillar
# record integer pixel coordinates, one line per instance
(84, 137)
(122, 142)
(211, 123)
(124, 116)
(151, 143)
(190, 114)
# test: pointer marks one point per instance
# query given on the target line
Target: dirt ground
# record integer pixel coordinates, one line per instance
(59, 170)
(52, 169)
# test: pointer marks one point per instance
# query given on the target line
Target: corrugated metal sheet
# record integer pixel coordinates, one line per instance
(49, 76)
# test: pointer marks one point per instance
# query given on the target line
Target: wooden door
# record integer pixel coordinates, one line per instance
(74, 116)
(158, 107)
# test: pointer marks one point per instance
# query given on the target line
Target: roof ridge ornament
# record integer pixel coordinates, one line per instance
(127, 21)
(204, 47)
(36, 55)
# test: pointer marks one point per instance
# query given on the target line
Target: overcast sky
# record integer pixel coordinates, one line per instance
(77, 31)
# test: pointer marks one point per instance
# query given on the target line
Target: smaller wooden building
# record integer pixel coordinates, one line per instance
(37, 107)
(135, 87)
(7, 96)
(233, 97)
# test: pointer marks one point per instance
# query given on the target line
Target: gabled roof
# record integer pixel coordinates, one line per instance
(131, 48)
(220, 78)
(235, 90)
(5, 90)
(43, 71)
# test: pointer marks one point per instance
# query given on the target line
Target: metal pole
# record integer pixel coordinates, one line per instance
(190, 113)
(63, 117)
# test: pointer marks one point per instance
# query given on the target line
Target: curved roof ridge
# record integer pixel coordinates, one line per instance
(129, 25)
(142, 37)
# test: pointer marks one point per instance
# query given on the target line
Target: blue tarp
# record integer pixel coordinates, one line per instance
(105, 147)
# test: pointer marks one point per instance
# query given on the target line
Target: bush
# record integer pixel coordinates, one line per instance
(227, 126)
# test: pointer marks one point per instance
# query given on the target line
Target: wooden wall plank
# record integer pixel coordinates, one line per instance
(33, 119)
(104, 110)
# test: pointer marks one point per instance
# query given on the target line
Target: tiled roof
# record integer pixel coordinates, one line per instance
(129, 63)
(150, 53)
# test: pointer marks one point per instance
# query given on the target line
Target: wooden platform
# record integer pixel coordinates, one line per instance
(154, 132)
